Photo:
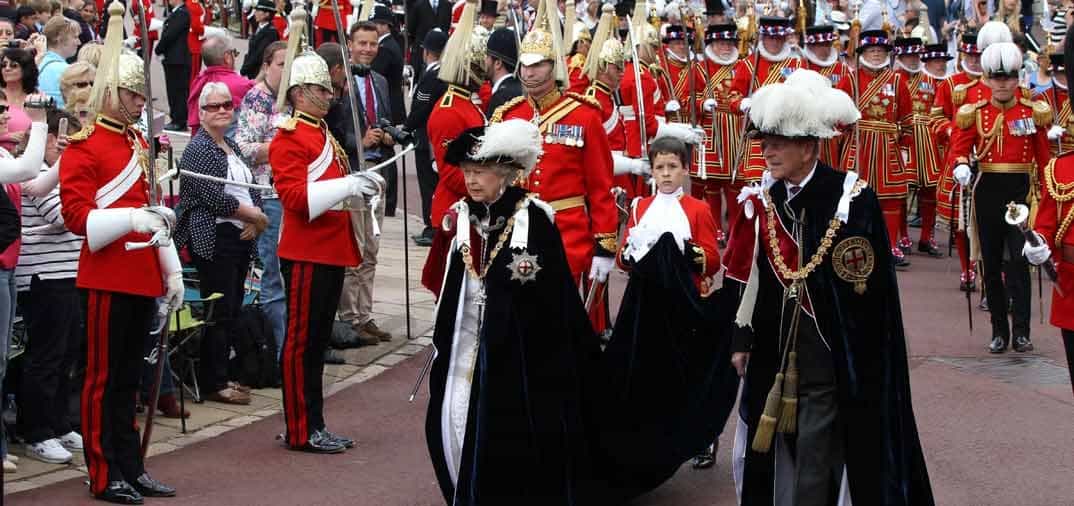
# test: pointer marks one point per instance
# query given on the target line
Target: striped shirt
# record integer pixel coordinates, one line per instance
(49, 250)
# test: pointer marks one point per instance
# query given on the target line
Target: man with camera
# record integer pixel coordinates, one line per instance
(374, 114)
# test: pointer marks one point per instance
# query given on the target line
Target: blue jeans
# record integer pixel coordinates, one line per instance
(272, 294)
(7, 316)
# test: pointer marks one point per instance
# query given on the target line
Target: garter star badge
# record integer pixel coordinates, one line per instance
(523, 267)
(853, 261)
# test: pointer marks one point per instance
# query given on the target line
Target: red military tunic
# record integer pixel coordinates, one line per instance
(629, 111)
(574, 175)
(101, 158)
(951, 93)
(452, 116)
(613, 129)
(1056, 97)
(722, 126)
(925, 151)
(325, 20)
(702, 235)
(744, 82)
(841, 77)
(577, 81)
(675, 85)
(193, 37)
(660, 96)
(328, 239)
(885, 126)
(1055, 215)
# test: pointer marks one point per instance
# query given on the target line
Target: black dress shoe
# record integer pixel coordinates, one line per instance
(705, 459)
(345, 441)
(983, 305)
(929, 248)
(120, 492)
(1022, 344)
(333, 357)
(900, 261)
(149, 487)
(320, 443)
(422, 241)
(998, 345)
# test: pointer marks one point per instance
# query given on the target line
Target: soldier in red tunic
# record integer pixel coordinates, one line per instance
(962, 87)
(603, 70)
(822, 57)
(1057, 96)
(462, 68)
(195, 37)
(885, 134)
(674, 81)
(925, 152)
(711, 180)
(575, 173)
(316, 245)
(772, 63)
(650, 113)
(1053, 225)
(324, 22)
(104, 189)
(1007, 138)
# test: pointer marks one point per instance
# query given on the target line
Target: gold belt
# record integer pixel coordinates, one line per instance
(1006, 168)
(567, 203)
(879, 126)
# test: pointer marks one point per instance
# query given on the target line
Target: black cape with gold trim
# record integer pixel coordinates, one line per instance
(884, 461)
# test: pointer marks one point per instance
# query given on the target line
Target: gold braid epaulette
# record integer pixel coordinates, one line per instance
(81, 135)
(1042, 112)
(584, 99)
(1062, 193)
(288, 124)
(967, 114)
(497, 115)
(577, 61)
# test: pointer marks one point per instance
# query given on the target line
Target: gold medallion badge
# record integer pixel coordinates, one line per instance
(853, 261)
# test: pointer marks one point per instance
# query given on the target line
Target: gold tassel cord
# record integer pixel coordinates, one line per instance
(788, 416)
(766, 429)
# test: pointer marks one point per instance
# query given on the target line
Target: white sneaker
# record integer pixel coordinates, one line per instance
(72, 441)
(49, 451)
(12, 458)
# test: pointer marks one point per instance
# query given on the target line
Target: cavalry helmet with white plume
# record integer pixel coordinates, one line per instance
(991, 33)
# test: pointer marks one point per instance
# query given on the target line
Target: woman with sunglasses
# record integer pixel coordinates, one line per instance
(218, 224)
(18, 78)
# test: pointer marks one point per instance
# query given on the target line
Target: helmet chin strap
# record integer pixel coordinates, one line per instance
(129, 118)
(318, 102)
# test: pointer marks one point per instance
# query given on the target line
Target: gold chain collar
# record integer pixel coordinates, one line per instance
(777, 255)
(468, 260)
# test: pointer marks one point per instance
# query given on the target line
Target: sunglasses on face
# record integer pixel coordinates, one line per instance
(227, 106)
(3, 108)
(82, 84)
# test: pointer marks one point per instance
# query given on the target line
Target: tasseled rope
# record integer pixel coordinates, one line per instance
(766, 429)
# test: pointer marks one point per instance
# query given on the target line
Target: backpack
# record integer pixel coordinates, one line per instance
(255, 363)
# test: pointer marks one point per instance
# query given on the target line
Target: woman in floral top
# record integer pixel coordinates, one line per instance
(257, 122)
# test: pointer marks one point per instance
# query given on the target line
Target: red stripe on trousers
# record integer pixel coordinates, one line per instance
(99, 307)
(294, 354)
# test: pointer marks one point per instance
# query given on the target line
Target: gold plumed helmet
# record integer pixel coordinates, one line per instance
(309, 68)
(116, 69)
(605, 50)
(463, 61)
(544, 42)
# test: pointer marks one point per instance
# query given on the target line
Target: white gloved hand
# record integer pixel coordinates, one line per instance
(173, 291)
(600, 269)
(962, 174)
(144, 221)
(1037, 254)
(744, 106)
(672, 106)
(681, 131)
(366, 183)
(130, 42)
(156, 25)
(642, 168)
(709, 105)
(1055, 132)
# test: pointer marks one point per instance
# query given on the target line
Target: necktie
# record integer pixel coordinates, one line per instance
(370, 107)
(793, 190)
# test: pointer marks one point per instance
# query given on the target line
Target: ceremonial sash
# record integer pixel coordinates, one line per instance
(874, 87)
(718, 77)
(119, 185)
(775, 72)
(612, 120)
(320, 164)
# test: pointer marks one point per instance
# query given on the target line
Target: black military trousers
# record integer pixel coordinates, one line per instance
(116, 326)
(1006, 272)
(312, 292)
(427, 177)
(1068, 343)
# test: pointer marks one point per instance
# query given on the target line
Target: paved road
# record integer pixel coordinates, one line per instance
(996, 430)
